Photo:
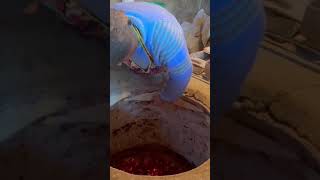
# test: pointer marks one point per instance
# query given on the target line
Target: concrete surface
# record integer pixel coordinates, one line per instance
(272, 133)
(291, 90)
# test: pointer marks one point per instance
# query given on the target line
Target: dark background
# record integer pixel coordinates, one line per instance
(54, 81)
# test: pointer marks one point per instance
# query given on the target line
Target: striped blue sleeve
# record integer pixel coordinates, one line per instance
(170, 49)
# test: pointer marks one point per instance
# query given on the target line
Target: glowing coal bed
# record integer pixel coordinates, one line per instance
(153, 140)
(152, 160)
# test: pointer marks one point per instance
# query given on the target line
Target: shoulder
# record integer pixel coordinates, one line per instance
(167, 39)
(167, 34)
(167, 26)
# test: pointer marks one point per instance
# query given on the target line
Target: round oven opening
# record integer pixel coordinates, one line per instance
(158, 140)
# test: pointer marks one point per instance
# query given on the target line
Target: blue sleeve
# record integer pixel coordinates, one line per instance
(180, 71)
(165, 39)
(170, 49)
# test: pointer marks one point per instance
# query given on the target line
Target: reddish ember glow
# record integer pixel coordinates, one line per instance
(152, 160)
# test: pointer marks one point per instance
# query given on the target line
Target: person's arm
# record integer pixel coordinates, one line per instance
(170, 46)
(179, 77)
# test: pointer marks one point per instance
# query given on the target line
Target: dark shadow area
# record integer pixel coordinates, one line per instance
(53, 98)
(246, 148)
(272, 129)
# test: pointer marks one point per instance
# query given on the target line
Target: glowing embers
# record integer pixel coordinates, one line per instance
(152, 160)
